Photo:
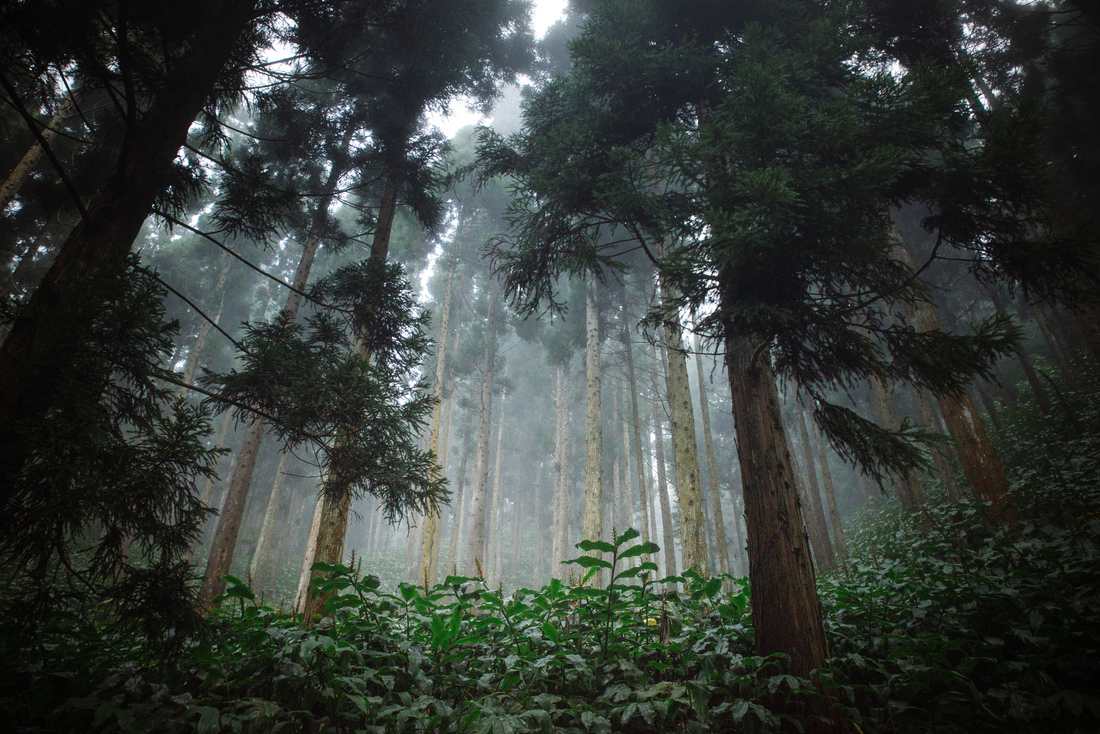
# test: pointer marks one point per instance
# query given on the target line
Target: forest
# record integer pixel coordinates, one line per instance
(501, 366)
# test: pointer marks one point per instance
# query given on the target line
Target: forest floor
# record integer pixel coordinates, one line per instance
(935, 624)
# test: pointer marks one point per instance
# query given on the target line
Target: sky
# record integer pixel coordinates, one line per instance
(544, 14)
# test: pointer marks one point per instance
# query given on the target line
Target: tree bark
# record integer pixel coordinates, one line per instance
(980, 462)
(31, 158)
(475, 545)
(693, 535)
(229, 522)
(939, 453)
(494, 564)
(819, 532)
(886, 415)
(1089, 323)
(636, 432)
(593, 433)
(1056, 352)
(1037, 388)
(712, 468)
(786, 612)
(34, 358)
(561, 473)
(667, 536)
(429, 556)
(267, 530)
(218, 290)
(840, 542)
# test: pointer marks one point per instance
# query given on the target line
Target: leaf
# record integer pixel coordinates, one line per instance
(209, 721)
(595, 545)
(639, 550)
(630, 534)
(590, 562)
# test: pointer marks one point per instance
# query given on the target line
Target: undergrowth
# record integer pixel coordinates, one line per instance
(935, 624)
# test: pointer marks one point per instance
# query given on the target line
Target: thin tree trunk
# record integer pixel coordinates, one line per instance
(667, 535)
(593, 466)
(819, 532)
(886, 415)
(712, 468)
(229, 523)
(636, 433)
(496, 528)
(1056, 352)
(627, 479)
(267, 530)
(475, 546)
(561, 472)
(1089, 323)
(786, 613)
(301, 604)
(840, 542)
(693, 535)
(459, 505)
(218, 290)
(429, 556)
(1037, 388)
(33, 156)
(939, 453)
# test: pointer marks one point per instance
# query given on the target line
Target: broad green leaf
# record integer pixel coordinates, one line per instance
(595, 545)
(590, 562)
(630, 534)
(640, 550)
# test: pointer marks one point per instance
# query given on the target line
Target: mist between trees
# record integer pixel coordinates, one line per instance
(755, 280)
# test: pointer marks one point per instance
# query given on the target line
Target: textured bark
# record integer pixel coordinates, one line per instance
(786, 613)
(301, 604)
(494, 566)
(712, 468)
(262, 552)
(980, 462)
(561, 473)
(939, 453)
(886, 415)
(627, 496)
(593, 429)
(636, 432)
(458, 503)
(991, 409)
(840, 542)
(475, 545)
(815, 514)
(35, 357)
(429, 555)
(668, 539)
(693, 535)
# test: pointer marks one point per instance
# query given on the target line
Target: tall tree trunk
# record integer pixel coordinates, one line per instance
(561, 473)
(1089, 323)
(1056, 352)
(229, 522)
(336, 499)
(267, 530)
(636, 433)
(1037, 388)
(627, 498)
(429, 556)
(31, 158)
(458, 502)
(693, 534)
(593, 429)
(840, 542)
(939, 453)
(886, 415)
(980, 462)
(301, 604)
(34, 358)
(218, 291)
(819, 532)
(475, 545)
(493, 566)
(786, 613)
(668, 537)
(712, 468)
